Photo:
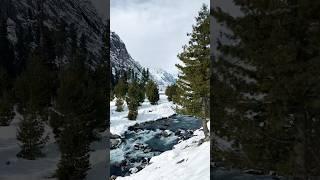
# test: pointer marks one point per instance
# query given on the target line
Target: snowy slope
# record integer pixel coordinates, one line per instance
(187, 161)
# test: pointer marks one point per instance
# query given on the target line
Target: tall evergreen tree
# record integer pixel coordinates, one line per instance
(74, 146)
(80, 105)
(31, 136)
(144, 76)
(152, 92)
(76, 106)
(33, 90)
(269, 70)
(193, 81)
(33, 87)
(141, 93)
(171, 92)
(133, 100)
(120, 91)
(121, 88)
(119, 104)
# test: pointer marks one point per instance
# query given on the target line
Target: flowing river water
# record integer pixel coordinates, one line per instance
(140, 142)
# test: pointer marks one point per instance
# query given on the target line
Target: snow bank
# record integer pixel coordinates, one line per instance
(186, 161)
(146, 112)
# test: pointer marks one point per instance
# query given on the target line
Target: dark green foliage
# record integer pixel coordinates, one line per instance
(33, 87)
(31, 136)
(121, 88)
(145, 76)
(119, 104)
(6, 100)
(80, 105)
(132, 100)
(76, 111)
(7, 71)
(266, 86)
(74, 146)
(152, 92)
(193, 83)
(132, 115)
(101, 95)
(6, 109)
(141, 94)
(7, 57)
(171, 92)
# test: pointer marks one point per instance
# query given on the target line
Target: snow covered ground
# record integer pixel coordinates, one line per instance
(146, 112)
(186, 161)
(13, 168)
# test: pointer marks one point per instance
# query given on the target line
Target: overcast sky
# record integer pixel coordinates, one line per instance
(154, 31)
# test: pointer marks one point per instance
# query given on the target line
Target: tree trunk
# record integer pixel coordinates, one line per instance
(204, 118)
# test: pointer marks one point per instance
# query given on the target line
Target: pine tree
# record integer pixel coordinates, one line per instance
(171, 92)
(141, 94)
(119, 104)
(74, 147)
(121, 88)
(120, 91)
(193, 82)
(31, 136)
(81, 103)
(33, 87)
(270, 77)
(33, 90)
(152, 92)
(133, 101)
(144, 76)
(76, 109)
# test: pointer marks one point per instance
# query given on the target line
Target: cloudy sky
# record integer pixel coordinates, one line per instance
(154, 31)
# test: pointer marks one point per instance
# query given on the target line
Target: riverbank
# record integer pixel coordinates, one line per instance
(187, 160)
(119, 123)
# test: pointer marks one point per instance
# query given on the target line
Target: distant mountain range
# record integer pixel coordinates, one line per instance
(121, 59)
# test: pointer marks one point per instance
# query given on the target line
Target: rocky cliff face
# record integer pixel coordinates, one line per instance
(120, 57)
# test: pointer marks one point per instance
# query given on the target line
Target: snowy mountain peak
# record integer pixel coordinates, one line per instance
(162, 77)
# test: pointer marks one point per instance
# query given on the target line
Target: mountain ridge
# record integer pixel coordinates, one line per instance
(122, 60)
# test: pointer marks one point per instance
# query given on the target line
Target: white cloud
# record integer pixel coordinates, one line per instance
(154, 31)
